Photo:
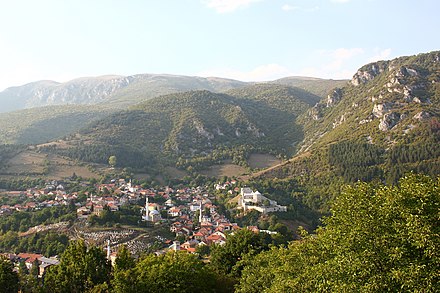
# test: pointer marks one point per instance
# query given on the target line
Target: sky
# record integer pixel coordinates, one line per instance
(248, 40)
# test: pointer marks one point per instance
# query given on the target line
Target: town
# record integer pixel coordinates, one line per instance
(162, 219)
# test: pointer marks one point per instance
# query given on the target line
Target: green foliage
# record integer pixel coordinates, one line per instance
(356, 161)
(22, 221)
(378, 239)
(225, 259)
(112, 161)
(197, 128)
(171, 272)
(39, 125)
(9, 281)
(81, 269)
(49, 243)
(124, 261)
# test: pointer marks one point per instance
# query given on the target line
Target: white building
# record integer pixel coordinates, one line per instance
(254, 200)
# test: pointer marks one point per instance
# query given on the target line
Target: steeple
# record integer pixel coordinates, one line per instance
(200, 214)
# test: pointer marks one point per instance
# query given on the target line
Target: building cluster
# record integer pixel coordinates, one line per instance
(254, 200)
(189, 213)
(51, 195)
(31, 260)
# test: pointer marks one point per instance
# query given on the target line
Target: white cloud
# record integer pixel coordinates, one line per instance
(340, 63)
(225, 6)
(341, 1)
(380, 55)
(287, 7)
(265, 72)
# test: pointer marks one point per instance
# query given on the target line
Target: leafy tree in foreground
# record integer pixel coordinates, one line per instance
(9, 281)
(225, 259)
(378, 239)
(81, 269)
(171, 272)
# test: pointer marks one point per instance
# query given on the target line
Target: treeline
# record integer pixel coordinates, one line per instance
(22, 221)
(366, 162)
(100, 153)
(195, 129)
(21, 183)
(378, 239)
(356, 161)
(48, 244)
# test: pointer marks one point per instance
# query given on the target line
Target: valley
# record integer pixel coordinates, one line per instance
(230, 173)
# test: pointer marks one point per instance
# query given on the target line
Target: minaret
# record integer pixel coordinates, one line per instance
(108, 249)
(200, 214)
(147, 211)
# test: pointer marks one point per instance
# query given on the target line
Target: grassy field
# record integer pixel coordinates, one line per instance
(32, 164)
(262, 161)
(226, 169)
(175, 173)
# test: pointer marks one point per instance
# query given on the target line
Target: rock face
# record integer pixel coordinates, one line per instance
(422, 115)
(315, 112)
(368, 72)
(381, 109)
(94, 90)
(389, 120)
(334, 97)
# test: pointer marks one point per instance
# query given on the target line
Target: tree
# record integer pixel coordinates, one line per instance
(9, 281)
(225, 258)
(124, 261)
(171, 272)
(80, 269)
(112, 161)
(378, 239)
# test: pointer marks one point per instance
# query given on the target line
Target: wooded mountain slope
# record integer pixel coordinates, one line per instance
(385, 122)
(198, 125)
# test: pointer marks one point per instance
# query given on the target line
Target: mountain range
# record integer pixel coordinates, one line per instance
(380, 124)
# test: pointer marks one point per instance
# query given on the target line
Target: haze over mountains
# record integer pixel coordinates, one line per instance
(107, 94)
(112, 90)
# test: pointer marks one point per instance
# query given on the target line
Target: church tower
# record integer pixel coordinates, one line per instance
(200, 214)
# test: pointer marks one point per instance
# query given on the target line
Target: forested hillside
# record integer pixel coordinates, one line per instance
(317, 86)
(39, 125)
(383, 123)
(197, 128)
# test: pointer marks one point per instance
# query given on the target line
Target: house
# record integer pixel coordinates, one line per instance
(113, 207)
(215, 239)
(174, 212)
(45, 263)
(82, 212)
(169, 203)
(98, 209)
(29, 258)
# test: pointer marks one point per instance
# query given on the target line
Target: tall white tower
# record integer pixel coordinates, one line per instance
(200, 214)
(147, 210)
(108, 249)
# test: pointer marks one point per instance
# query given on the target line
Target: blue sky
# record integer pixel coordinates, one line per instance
(249, 40)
